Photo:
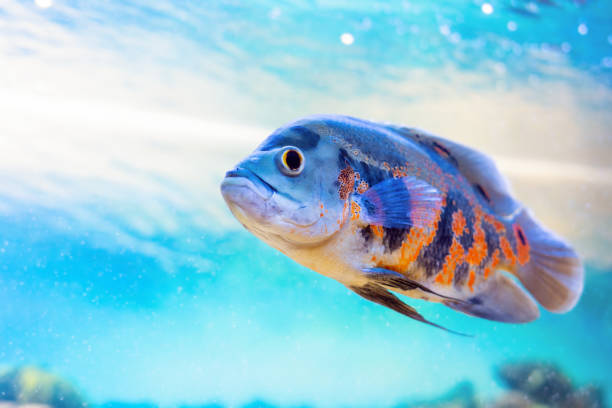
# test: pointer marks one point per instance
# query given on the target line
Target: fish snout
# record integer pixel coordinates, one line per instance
(241, 178)
(233, 173)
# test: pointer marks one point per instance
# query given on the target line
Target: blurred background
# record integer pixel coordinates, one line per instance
(124, 279)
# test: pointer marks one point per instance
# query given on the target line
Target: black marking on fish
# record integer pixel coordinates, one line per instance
(298, 136)
(467, 239)
(432, 256)
(491, 240)
(372, 175)
(441, 155)
(482, 192)
(519, 230)
(461, 274)
(344, 159)
(511, 239)
(475, 300)
(444, 149)
(366, 233)
(393, 238)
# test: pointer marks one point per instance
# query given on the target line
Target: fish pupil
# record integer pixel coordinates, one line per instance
(293, 160)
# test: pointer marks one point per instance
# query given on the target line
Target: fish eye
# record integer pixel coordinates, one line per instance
(291, 161)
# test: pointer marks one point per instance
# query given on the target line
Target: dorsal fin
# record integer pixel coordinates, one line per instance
(479, 169)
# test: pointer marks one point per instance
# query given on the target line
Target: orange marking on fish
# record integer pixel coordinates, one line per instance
(417, 239)
(355, 210)
(386, 166)
(413, 242)
(433, 227)
(495, 259)
(471, 280)
(458, 223)
(456, 255)
(498, 225)
(399, 172)
(487, 272)
(377, 230)
(479, 248)
(411, 247)
(522, 245)
(362, 187)
(346, 178)
(507, 250)
(373, 258)
(441, 150)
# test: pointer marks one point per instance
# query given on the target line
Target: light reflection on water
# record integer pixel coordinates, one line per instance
(122, 268)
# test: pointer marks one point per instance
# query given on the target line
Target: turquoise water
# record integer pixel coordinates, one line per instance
(122, 270)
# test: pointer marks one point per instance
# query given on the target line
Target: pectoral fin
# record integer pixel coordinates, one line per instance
(377, 294)
(400, 203)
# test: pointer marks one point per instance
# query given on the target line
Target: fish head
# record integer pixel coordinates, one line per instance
(286, 191)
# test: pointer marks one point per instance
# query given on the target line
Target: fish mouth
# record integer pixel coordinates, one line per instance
(245, 178)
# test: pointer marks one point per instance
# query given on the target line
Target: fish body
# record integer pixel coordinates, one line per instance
(384, 208)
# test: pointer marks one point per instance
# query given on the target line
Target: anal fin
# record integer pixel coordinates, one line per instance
(502, 300)
(377, 294)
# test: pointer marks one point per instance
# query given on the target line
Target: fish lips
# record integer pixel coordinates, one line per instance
(240, 180)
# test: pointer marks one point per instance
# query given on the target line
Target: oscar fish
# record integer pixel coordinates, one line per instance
(384, 208)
